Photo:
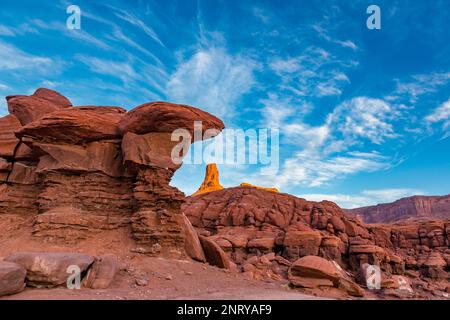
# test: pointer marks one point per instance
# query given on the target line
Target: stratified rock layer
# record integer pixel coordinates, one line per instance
(80, 170)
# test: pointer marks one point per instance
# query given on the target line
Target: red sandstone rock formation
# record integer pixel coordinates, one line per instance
(412, 208)
(80, 170)
(258, 229)
(211, 181)
(12, 278)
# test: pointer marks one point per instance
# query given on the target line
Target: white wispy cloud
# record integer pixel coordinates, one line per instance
(441, 115)
(13, 58)
(315, 171)
(3, 108)
(132, 19)
(6, 31)
(336, 148)
(122, 70)
(364, 198)
(10, 31)
(119, 35)
(315, 72)
(81, 35)
(278, 109)
(325, 34)
(213, 80)
(134, 73)
(4, 87)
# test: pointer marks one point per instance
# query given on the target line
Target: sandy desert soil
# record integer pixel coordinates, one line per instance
(173, 279)
(167, 278)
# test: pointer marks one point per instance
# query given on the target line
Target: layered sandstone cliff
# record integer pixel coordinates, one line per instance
(80, 170)
(412, 208)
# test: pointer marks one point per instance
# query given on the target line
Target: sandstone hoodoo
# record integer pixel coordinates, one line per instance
(211, 181)
(79, 170)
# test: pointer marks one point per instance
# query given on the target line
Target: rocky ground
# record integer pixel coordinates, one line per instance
(411, 209)
(140, 276)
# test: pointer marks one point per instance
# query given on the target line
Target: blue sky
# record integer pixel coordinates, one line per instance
(364, 115)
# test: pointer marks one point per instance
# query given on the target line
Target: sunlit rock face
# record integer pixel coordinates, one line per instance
(211, 181)
(267, 234)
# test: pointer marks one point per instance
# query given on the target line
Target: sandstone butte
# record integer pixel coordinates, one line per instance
(94, 180)
(211, 182)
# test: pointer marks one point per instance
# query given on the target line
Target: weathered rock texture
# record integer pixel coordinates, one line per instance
(50, 269)
(81, 170)
(12, 278)
(57, 269)
(412, 208)
(264, 231)
(211, 181)
(245, 184)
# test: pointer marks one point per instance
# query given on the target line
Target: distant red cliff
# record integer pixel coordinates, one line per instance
(411, 208)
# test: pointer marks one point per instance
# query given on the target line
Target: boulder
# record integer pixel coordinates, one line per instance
(263, 244)
(313, 271)
(317, 272)
(332, 248)
(12, 278)
(52, 96)
(337, 224)
(31, 108)
(102, 272)
(433, 265)
(191, 241)
(306, 243)
(214, 254)
(369, 276)
(167, 117)
(49, 269)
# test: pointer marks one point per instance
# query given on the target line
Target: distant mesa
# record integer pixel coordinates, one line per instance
(259, 188)
(411, 208)
(212, 183)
